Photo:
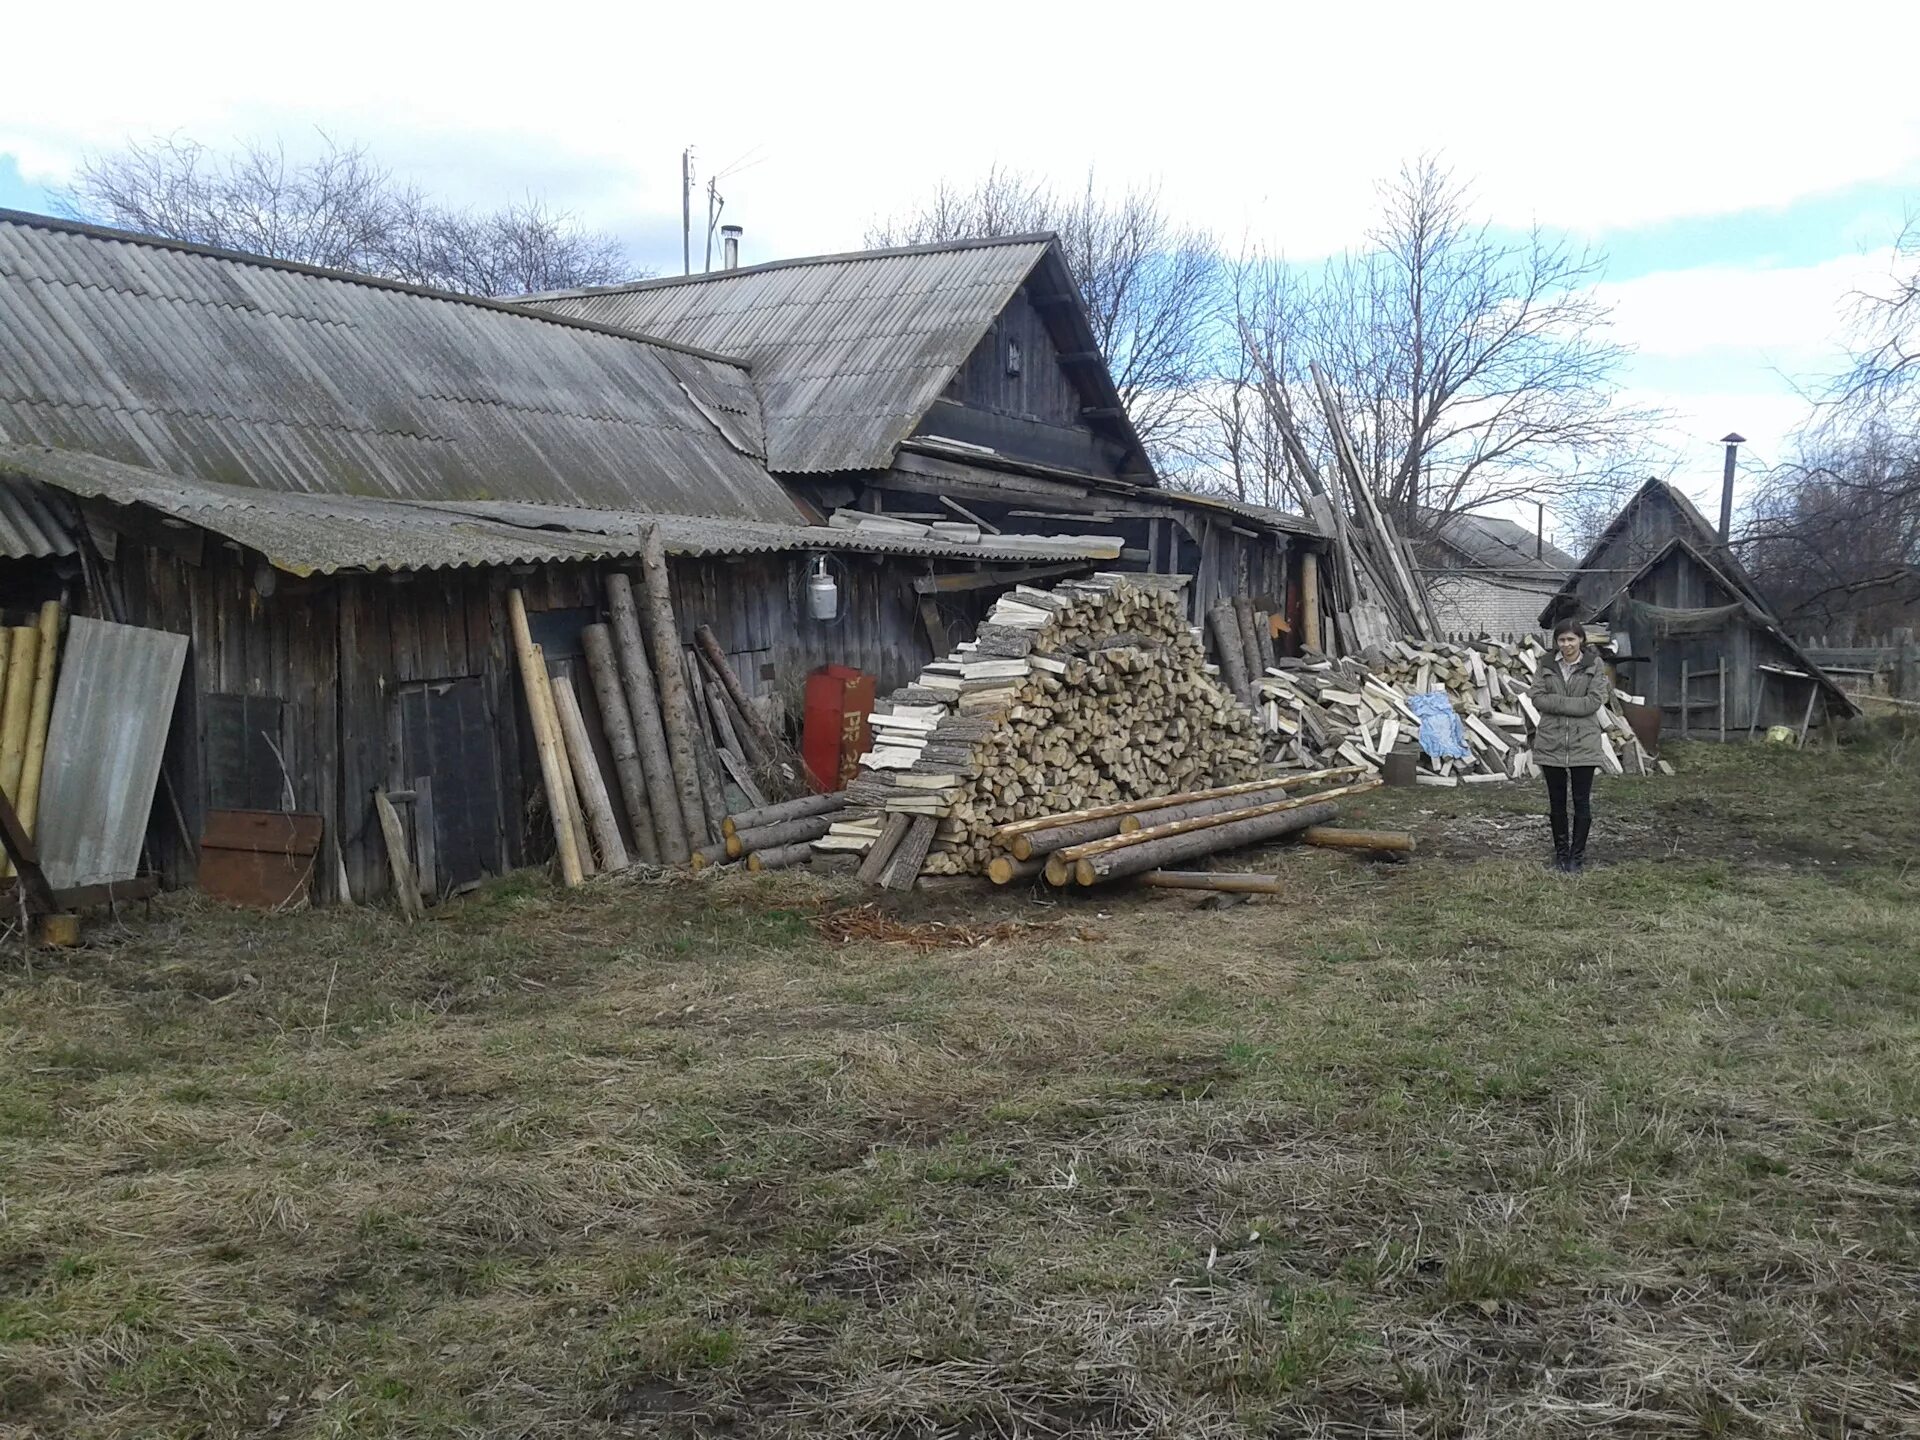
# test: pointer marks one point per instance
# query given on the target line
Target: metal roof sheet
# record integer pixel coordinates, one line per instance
(847, 351)
(35, 522)
(247, 371)
(308, 534)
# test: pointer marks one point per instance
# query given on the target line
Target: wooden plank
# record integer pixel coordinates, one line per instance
(991, 579)
(880, 854)
(904, 868)
(424, 850)
(26, 861)
(406, 887)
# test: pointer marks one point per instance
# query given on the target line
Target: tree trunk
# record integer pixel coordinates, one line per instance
(649, 724)
(576, 809)
(1044, 842)
(1233, 659)
(617, 721)
(788, 810)
(780, 857)
(756, 728)
(1390, 841)
(676, 713)
(1004, 869)
(1157, 854)
(1249, 642)
(1194, 809)
(588, 780)
(533, 679)
(783, 832)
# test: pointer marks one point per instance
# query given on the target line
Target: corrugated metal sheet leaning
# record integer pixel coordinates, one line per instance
(241, 370)
(323, 534)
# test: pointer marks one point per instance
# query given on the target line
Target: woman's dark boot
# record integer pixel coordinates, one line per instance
(1577, 848)
(1562, 849)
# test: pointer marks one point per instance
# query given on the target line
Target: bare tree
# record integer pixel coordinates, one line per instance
(1149, 285)
(1470, 370)
(342, 210)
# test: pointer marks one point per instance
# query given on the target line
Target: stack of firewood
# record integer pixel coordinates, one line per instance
(1094, 693)
(1355, 710)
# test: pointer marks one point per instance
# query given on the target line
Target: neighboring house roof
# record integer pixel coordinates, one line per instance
(1488, 542)
(321, 534)
(1701, 531)
(237, 369)
(850, 351)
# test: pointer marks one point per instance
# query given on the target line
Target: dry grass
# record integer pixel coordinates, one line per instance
(1452, 1148)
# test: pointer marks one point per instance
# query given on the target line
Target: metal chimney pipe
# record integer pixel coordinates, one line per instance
(1733, 443)
(729, 247)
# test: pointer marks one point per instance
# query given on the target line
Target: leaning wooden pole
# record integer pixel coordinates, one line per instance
(617, 720)
(588, 780)
(533, 675)
(762, 735)
(676, 712)
(576, 808)
(1249, 642)
(649, 726)
(23, 652)
(1233, 657)
(37, 718)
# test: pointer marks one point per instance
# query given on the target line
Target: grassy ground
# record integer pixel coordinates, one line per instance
(1449, 1148)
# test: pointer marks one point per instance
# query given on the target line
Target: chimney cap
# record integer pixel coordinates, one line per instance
(1733, 438)
(731, 230)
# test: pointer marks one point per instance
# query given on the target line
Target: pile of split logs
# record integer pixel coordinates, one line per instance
(1355, 710)
(678, 729)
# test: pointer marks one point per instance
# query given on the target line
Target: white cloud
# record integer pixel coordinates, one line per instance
(1266, 119)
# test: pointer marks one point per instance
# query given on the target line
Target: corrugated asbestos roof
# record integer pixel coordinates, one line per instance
(234, 369)
(847, 351)
(1498, 544)
(35, 522)
(1266, 515)
(321, 534)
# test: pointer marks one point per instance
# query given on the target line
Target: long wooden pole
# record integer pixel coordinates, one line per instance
(1231, 882)
(23, 652)
(42, 710)
(756, 728)
(649, 726)
(706, 750)
(1394, 841)
(576, 808)
(617, 721)
(1233, 661)
(1249, 642)
(1173, 849)
(1161, 802)
(676, 713)
(787, 810)
(1194, 809)
(592, 786)
(1310, 600)
(533, 675)
(784, 832)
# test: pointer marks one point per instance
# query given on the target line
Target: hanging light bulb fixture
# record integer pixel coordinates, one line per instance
(823, 593)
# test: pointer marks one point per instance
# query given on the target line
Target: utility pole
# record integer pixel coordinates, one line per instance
(686, 211)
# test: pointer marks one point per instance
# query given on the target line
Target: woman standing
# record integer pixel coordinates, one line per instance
(1569, 690)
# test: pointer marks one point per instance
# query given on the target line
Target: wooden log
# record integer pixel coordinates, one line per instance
(1172, 849)
(576, 807)
(781, 832)
(756, 729)
(617, 720)
(406, 886)
(706, 753)
(714, 854)
(1130, 807)
(881, 851)
(1263, 638)
(733, 743)
(676, 711)
(1226, 641)
(1230, 882)
(23, 654)
(787, 810)
(1004, 869)
(1203, 822)
(37, 717)
(780, 857)
(1310, 601)
(533, 680)
(1393, 841)
(649, 728)
(1249, 642)
(588, 781)
(1042, 843)
(1220, 805)
(904, 868)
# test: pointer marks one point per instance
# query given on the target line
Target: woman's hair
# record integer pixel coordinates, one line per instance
(1570, 627)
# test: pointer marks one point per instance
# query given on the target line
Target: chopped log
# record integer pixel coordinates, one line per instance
(533, 679)
(1233, 657)
(1172, 849)
(881, 851)
(588, 781)
(904, 868)
(781, 832)
(779, 857)
(714, 854)
(806, 805)
(676, 712)
(1004, 869)
(617, 721)
(1196, 808)
(406, 887)
(1390, 841)
(1231, 882)
(757, 729)
(649, 729)
(1263, 638)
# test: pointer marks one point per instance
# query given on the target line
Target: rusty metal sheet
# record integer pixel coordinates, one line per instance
(112, 708)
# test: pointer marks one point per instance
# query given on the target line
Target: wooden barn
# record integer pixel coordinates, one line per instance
(329, 484)
(1693, 634)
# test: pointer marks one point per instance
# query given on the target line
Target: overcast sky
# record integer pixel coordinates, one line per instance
(1745, 174)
